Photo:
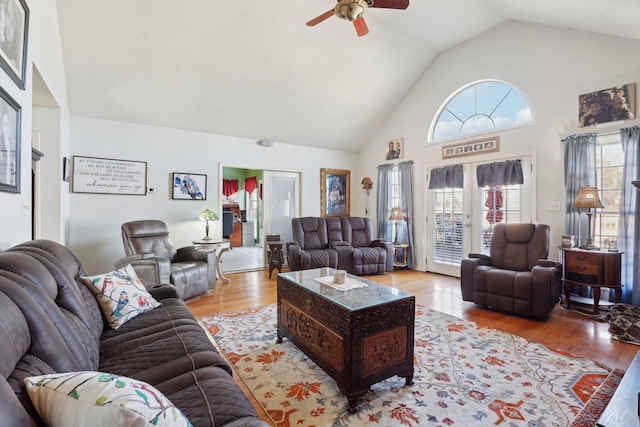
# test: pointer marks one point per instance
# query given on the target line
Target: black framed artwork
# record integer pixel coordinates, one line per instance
(10, 120)
(188, 186)
(14, 31)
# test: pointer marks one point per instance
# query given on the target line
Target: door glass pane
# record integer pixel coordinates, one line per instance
(500, 204)
(282, 207)
(447, 230)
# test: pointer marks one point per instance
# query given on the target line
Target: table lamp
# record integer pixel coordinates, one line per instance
(588, 198)
(206, 216)
(396, 215)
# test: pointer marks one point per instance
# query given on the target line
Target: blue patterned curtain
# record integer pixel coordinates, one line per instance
(628, 227)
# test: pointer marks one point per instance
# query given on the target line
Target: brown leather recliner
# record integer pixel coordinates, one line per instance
(517, 277)
(156, 261)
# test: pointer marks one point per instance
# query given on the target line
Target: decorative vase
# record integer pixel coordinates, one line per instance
(569, 241)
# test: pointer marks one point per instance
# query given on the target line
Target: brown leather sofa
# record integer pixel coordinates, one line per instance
(346, 243)
(152, 254)
(51, 323)
(516, 277)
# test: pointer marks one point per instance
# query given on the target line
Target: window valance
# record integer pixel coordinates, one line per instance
(508, 172)
(446, 177)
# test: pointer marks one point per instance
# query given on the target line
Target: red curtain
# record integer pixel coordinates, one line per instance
(250, 184)
(229, 186)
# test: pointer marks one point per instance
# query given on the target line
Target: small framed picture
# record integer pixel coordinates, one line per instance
(189, 186)
(607, 105)
(394, 149)
(479, 146)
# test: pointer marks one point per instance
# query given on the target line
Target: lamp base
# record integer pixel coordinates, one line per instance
(207, 238)
(396, 243)
(589, 247)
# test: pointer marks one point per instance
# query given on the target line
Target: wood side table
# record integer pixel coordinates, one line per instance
(220, 246)
(596, 269)
(405, 249)
(275, 260)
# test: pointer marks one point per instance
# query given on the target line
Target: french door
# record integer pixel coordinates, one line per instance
(281, 203)
(461, 220)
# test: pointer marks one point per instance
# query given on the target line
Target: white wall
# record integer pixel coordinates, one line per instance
(552, 66)
(44, 50)
(96, 219)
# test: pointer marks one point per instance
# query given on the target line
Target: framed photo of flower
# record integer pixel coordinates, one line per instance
(334, 192)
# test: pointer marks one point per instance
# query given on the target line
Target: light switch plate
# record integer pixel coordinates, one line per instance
(554, 205)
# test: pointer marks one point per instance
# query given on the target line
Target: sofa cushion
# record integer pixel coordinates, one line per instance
(121, 295)
(98, 399)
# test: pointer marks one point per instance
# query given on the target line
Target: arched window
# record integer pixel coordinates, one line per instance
(481, 107)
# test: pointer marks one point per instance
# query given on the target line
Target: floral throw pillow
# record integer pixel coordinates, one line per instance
(121, 295)
(97, 399)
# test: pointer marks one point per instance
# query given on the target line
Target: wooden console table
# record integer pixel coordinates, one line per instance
(596, 269)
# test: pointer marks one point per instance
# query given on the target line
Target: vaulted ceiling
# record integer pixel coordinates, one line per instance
(253, 69)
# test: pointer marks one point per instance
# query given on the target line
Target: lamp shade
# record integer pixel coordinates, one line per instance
(396, 215)
(207, 215)
(588, 198)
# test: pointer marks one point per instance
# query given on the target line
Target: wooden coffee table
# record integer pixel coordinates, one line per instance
(358, 337)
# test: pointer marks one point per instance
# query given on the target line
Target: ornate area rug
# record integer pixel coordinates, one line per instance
(465, 375)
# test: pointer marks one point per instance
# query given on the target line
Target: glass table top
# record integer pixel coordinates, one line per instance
(354, 299)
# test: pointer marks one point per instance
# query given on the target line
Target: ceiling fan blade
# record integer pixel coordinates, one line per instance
(391, 4)
(361, 27)
(319, 19)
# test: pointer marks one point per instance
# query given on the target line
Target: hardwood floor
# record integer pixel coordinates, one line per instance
(565, 330)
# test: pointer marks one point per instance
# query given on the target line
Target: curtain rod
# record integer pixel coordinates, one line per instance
(604, 133)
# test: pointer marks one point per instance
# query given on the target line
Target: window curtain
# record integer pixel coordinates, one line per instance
(250, 184)
(229, 186)
(383, 202)
(405, 228)
(579, 171)
(628, 227)
(508, 172)
(446, 177)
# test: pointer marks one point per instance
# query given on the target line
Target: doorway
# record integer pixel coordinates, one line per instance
(461, 220)
(268, 209)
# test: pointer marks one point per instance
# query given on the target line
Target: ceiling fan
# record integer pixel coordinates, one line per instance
(352, 10)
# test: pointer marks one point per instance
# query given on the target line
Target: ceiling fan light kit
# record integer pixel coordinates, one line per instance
(350, 10)
(353, 11)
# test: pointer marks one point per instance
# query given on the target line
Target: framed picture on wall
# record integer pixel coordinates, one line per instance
(10, 117)
(607, 105)
(394, 149)
(334, 192)
(479, 146)
(14, 29)
(189, 186)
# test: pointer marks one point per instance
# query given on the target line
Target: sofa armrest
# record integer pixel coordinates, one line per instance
(546, 288)
(388, 247)
(195, 253)
(294, 254)
(467, 267)
(483, 257)
(338, 243)
(548, 263)
(151, 270)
